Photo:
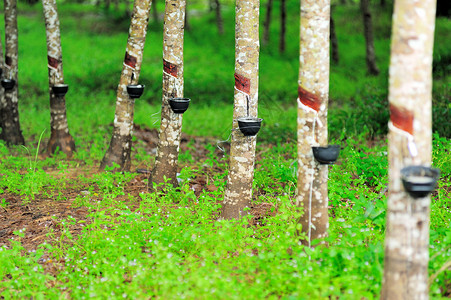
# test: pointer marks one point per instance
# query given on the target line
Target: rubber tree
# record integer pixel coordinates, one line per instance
(119, 149)
(2, 93)
(60, 137)
(369, 39)
(166, 161)
(313, 95)
(11, 132)
(219, 20)
(410, 143)
(267, 22)
(334, 41)
(283, 25)
(238, 192)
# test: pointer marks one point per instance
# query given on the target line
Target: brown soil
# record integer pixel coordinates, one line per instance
(40, 220)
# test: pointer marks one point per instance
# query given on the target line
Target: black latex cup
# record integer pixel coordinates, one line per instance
(60, 90)
(8, 84)
(135, 90)
(419, 181)
(179, 105)
(326, 155)
(249, 126)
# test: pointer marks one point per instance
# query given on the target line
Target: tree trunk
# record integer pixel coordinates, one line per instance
(187, 26)
(369, 40)
(238, 193)
(267, 23)
(313, 92)
(334, 41)
(60, 137)
(121, 141)
(219, 21)
(166, 161)
(2, 93)
(283, 25)
(10, 107)
(410, 85)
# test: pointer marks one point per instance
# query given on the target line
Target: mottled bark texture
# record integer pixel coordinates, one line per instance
(166, 161)
(410, 84)
(238, 193)
(313, 94)
(121, 141)
(267, 22)
(60, 137)
(2, 93)
(369, 40)
(11, 132)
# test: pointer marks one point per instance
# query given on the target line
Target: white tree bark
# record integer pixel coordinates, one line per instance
(238, 193)
(313, 92)
(119, 150)
(410, 135)
(60, 137)
(11, 132)
(166, 162)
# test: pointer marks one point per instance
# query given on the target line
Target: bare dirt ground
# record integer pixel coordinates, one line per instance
(40, 216)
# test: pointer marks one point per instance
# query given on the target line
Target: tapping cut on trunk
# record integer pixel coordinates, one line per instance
(313, 93)
(119, 150)
(409, 151)
(8, 61)
(52, 62)
(130, 60)
(60, 137)
(166, 161)
(170, 68)
(238, 192)
(9, 108)
(242, 83)
(309, 99)
(401, 118)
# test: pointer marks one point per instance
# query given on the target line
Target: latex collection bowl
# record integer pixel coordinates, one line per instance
(135, 90)
(326, 155)
(8, 84)
(249, 126)
(60, 90)
(419, 181)
(179, 105)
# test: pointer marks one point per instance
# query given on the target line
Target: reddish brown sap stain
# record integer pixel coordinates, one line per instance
(8, 61)
(309, 99)
(130, 60)
(242, 84)
(170, 68)
(401, 118)
(53, 62)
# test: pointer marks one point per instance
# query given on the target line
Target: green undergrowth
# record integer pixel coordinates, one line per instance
(169, 244)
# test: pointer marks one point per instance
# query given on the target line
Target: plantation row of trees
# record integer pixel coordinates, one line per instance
(410, 122)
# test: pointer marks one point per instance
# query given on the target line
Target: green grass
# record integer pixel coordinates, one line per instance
(168, 244)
